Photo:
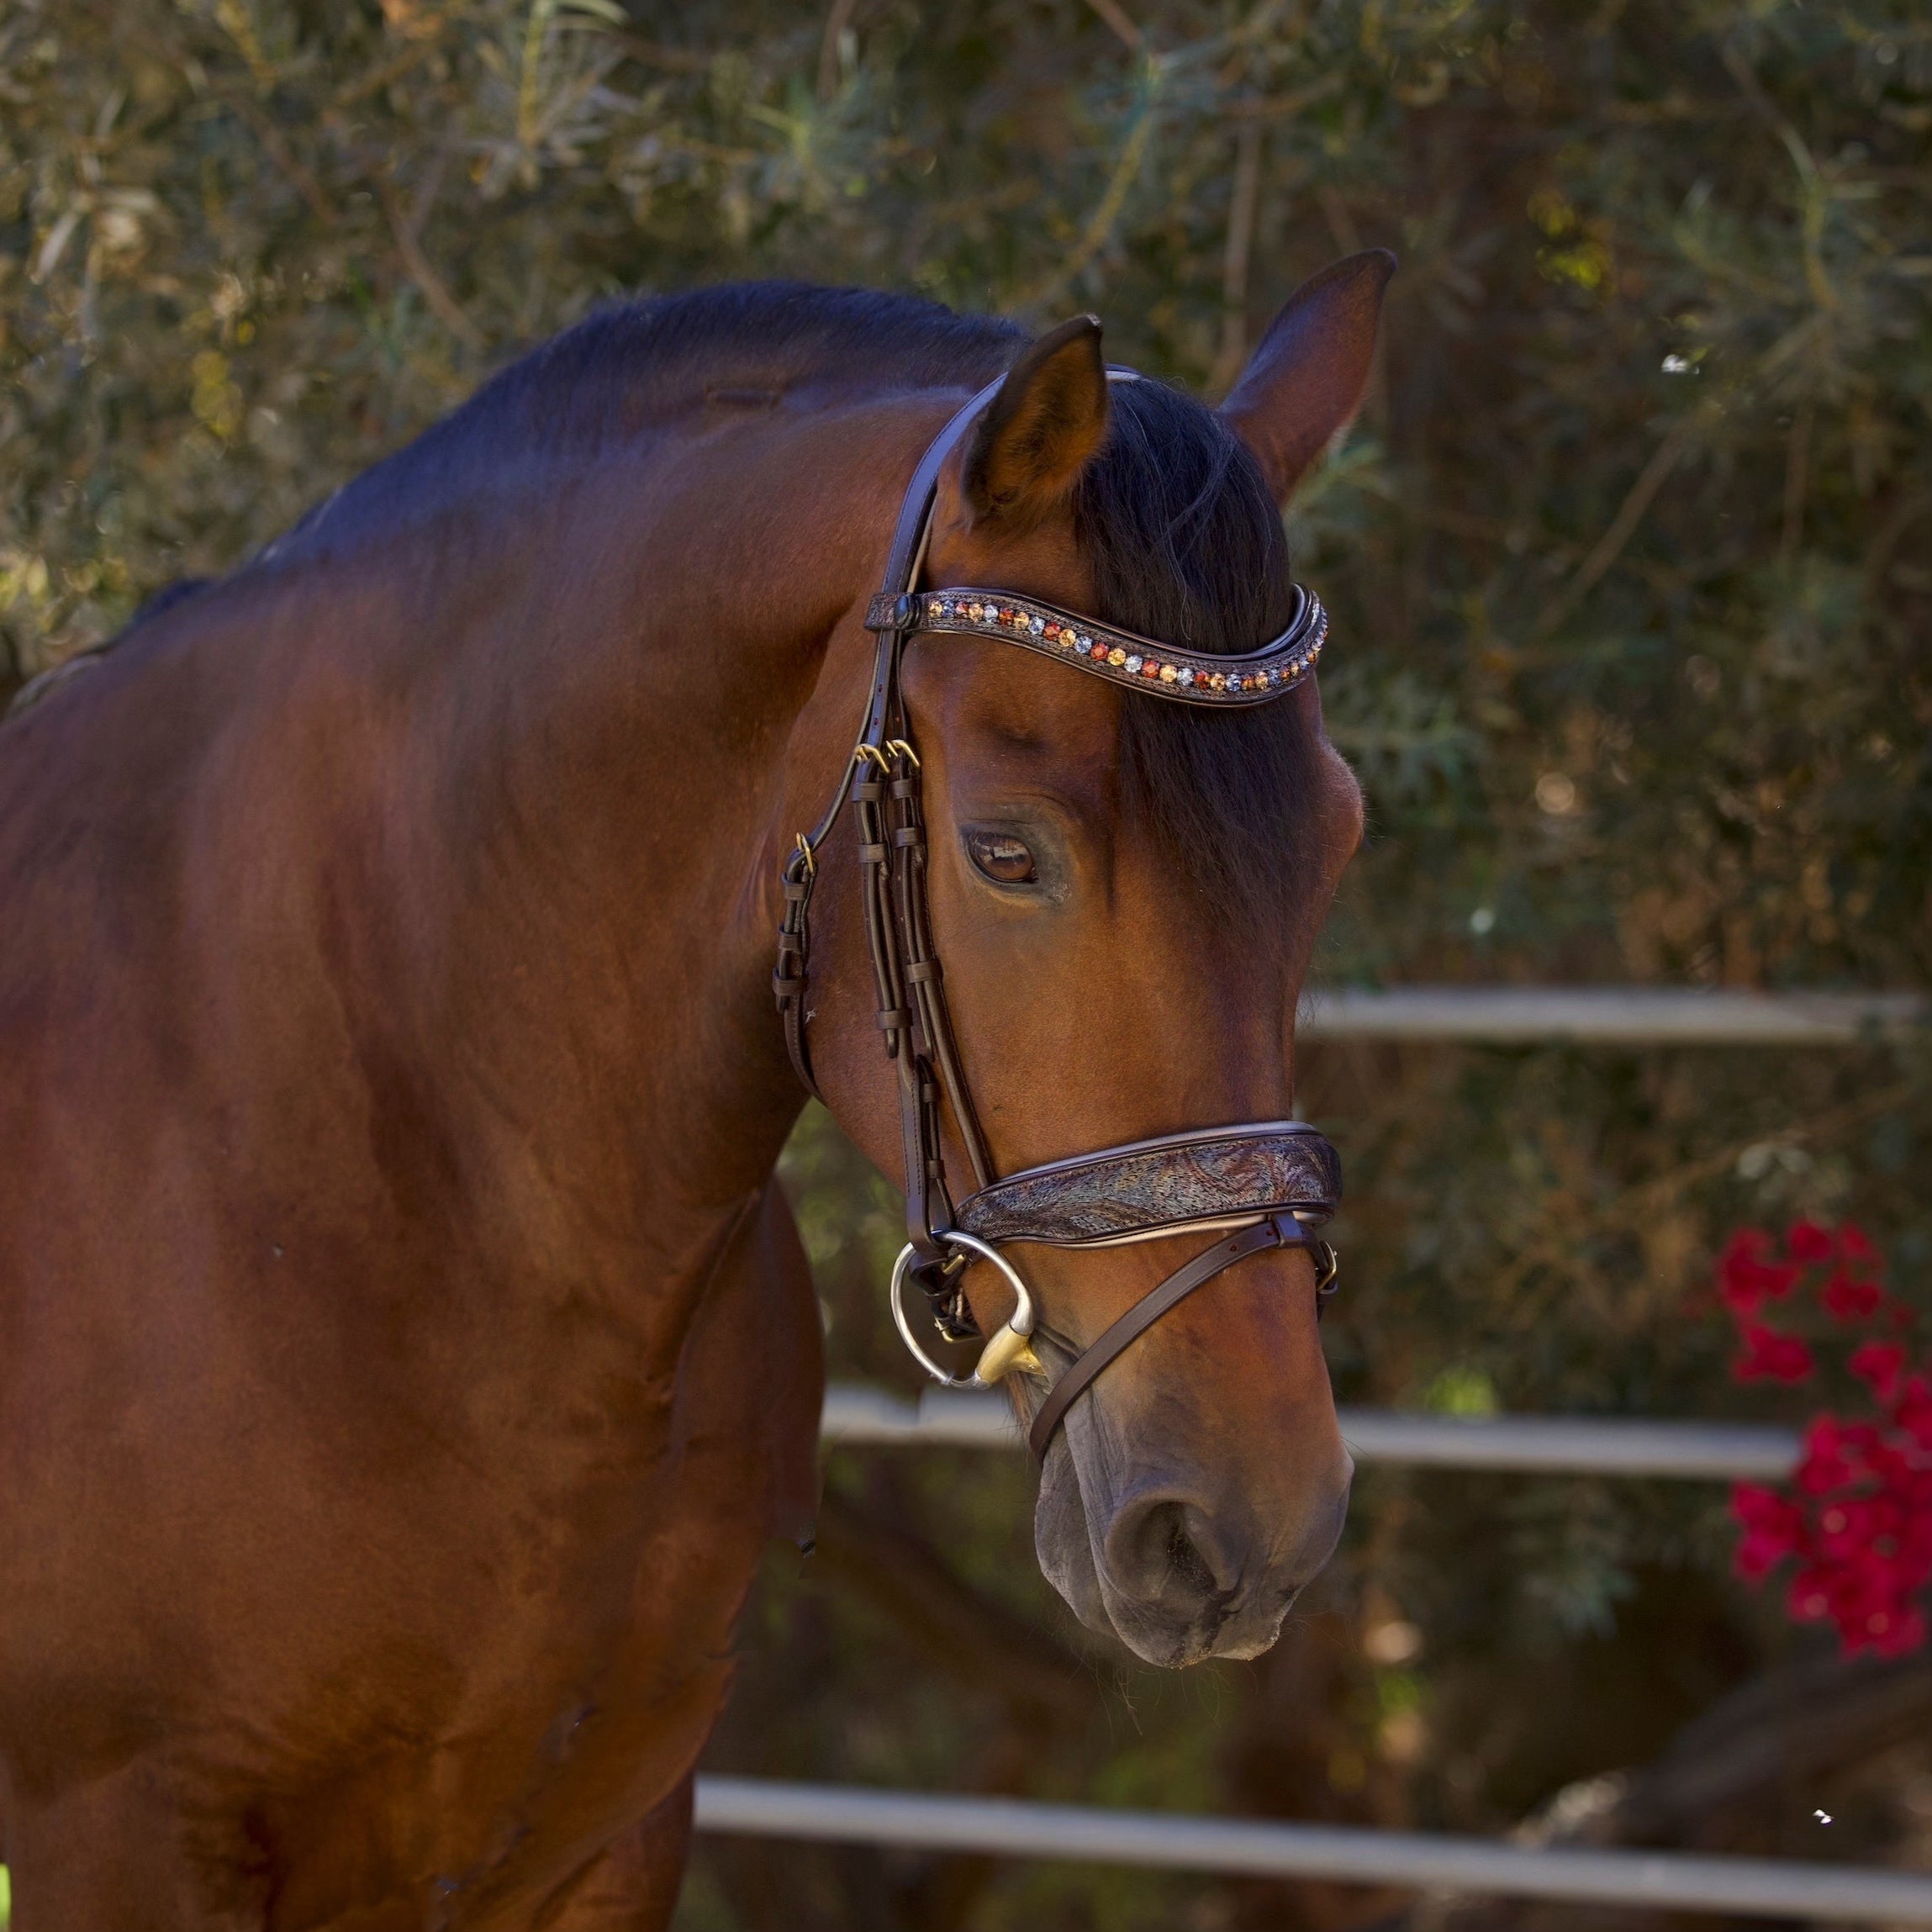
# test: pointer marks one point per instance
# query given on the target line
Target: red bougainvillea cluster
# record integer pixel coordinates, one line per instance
(1856, 1516)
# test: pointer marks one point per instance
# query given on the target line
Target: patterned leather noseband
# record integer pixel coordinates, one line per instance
(1269, 1183)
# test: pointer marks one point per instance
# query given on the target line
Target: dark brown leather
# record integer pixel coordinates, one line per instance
(1277, 1230)
(1178, 1180)
(795, 951)
(790, 978)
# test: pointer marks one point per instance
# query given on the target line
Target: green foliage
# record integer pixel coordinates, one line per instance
(1627, 556)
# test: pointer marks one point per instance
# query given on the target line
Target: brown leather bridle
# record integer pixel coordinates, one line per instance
(1269, 1182)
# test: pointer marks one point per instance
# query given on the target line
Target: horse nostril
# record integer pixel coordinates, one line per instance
(1154, 1551)
(1183, 1559)
(1180, 1579)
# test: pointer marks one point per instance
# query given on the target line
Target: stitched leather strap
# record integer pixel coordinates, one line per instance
(788, 983)
(912, 1009)
(1178, 1180)
(791, 977)
(1278, 1231)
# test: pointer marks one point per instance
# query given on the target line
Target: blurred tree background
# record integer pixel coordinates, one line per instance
(1631, 559)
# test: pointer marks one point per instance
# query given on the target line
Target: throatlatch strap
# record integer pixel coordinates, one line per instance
(1278, 1231)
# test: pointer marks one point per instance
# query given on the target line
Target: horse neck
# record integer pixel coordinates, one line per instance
(588, 713)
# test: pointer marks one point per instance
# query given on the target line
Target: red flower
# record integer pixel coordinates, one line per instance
(1869, 1599)
(1745, 1279)
(1825, 1466)
(1810, 1598)
(1773, 1528)
(1807, 1243)
(1849, 1300)
(1914, 1410)
(1769, 1356)
(1878, 1365)
(1855, 1244)
(1855, 1516)
(1907, 1633)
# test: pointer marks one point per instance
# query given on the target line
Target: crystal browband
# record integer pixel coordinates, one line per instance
(1191, 676)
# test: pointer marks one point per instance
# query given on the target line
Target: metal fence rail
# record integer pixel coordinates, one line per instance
(1011, 1827)
(1609, 1016)
(1600, 1445)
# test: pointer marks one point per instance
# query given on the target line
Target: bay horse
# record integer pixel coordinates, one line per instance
(405, 1349)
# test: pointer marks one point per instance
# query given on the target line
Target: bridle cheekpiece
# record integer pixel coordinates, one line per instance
(1263, 1185)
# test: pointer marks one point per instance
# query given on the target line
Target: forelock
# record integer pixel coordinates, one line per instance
(1185, 543)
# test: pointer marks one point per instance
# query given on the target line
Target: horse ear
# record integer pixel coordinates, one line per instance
(1305, 378)
(1042, 429)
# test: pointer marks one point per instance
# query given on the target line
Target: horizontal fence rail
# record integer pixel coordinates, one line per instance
(1609, 1016)
(1598, 1445)
(1013, 1828)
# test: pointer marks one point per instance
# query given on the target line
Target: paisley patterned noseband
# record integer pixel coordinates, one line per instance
(1266, 1183)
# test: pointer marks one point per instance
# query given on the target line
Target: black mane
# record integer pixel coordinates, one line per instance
(1184, 540)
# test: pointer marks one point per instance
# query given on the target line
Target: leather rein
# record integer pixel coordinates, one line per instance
(1264, 1184)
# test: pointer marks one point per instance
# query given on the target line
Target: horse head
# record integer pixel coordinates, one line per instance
(1124, 892)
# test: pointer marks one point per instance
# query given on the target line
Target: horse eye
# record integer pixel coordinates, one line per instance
(1005, 860)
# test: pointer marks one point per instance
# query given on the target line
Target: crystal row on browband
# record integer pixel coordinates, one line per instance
(1191, 676)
